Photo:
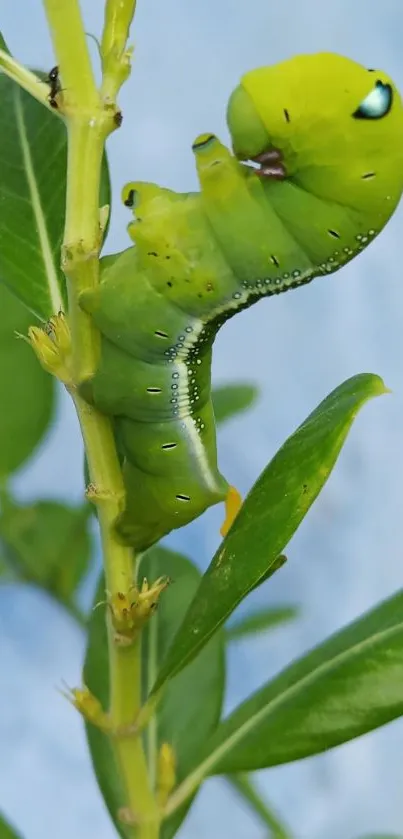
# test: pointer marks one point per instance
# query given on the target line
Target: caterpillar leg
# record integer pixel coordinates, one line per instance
(233, 504)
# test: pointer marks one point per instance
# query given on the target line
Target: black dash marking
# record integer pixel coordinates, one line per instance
(334, 233)
(169, 445)
(154, 390)
(130, 198)
(152, 253)
(274, 260)
(203, 143)
(169, 284)
(368, 175)
(160, 334)
(287, 115)
(183, 497)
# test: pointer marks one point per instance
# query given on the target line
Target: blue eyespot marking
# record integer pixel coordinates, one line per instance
(377, 104)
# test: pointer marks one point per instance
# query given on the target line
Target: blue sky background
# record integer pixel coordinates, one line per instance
(297, 347)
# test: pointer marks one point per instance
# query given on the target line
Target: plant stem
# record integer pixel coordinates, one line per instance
(89, 121)
(115, 58)
(70, 45)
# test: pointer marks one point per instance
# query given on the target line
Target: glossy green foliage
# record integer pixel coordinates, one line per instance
(269, 516)
(27, 393)
(182, 719)
(46, 543)
(32, 195)
(33, 154)
(350, 684)
(260, 620)
(6, 831)
(230, 400)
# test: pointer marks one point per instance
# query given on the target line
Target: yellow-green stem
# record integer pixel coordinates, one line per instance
(70, 45)
(88, 126)
(24, 78)
(82, 238)
(115, 60)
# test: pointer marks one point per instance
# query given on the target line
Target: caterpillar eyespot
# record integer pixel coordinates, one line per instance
(377, 104)
(252, 231)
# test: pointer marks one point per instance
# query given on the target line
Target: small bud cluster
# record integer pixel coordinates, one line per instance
(131, 611)
(166, 773)
(89, 707)
(52, 347)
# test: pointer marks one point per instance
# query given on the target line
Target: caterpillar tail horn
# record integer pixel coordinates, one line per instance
(233, 504)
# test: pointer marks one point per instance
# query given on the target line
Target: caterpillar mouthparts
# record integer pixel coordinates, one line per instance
(270, 164)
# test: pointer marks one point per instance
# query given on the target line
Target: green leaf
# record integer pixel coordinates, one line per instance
(182, 719)
(6, 831)
(260, 621)
(47, 543)
(27, 393)
(32, 196)
(7, 575)
(33, 154)
(3, 45)
(347, 686)
(247, 790)
(270, 515)
(230, 400)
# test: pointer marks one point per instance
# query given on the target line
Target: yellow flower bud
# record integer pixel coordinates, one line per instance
(166, 773)
(89, 707)
(132, 610)
(52, 346)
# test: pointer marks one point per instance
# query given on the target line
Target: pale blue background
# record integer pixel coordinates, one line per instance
(297, 347)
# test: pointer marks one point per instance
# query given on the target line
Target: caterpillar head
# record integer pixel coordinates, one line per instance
(329, 125)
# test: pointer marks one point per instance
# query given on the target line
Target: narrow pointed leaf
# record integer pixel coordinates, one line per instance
(247, 790)
(6, 831)
(347, 686)
(230, 400)
(27, 393)
(261, 620)
(33, 156)
(182, 719)
(3, 45)
(270, 515)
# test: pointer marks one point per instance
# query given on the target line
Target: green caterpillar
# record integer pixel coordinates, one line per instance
(324, 141)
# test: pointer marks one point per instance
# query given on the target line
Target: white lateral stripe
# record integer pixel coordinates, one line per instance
(53, 285)
(184, 413)
(196, 445)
